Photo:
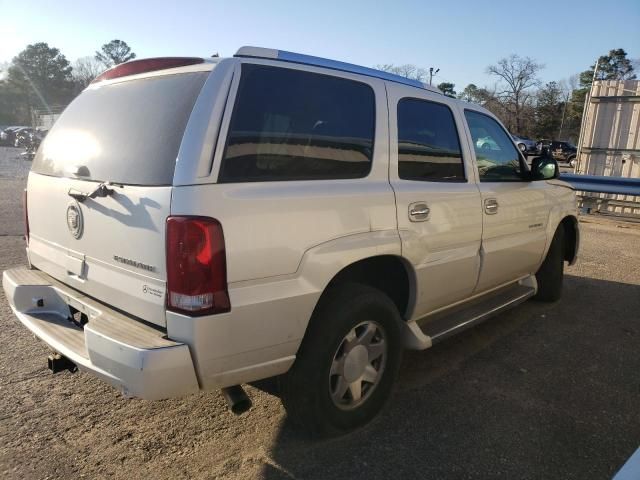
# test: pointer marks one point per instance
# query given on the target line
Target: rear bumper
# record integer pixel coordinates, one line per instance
(133, 357)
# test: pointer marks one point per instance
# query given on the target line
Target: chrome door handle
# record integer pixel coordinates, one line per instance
(490, 206)
(418, 212)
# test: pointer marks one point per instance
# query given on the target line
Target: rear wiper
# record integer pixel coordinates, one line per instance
(101, 190)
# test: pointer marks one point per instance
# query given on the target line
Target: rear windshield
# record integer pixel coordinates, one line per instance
(127, 132)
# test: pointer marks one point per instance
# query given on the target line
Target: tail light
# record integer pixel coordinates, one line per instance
(196, 266)
(26, 216)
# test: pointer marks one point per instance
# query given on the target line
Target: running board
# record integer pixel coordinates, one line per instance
(441, 327)
(445, 324)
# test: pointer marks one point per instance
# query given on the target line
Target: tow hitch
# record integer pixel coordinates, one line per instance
(59, 363)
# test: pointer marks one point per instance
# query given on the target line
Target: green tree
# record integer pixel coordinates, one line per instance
(114, 53)
(38, 77)
(8, 112)
(448, 89)
(489, 100)
(613, 66)
(473, 94)
(549, 106)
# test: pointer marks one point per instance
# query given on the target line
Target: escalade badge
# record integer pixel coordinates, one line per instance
(74, 220)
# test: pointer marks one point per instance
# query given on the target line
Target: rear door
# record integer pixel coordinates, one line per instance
(515, 211)
(437, 199)
(111, 247)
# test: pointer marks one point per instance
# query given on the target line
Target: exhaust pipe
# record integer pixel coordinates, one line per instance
(237, 399)
(59, 363)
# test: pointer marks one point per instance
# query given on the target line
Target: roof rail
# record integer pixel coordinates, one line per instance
(270, 53)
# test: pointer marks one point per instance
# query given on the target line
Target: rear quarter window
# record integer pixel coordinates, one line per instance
(294, 125)
(127, 132)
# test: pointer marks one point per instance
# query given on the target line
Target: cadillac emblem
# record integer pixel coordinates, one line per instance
(74, 220)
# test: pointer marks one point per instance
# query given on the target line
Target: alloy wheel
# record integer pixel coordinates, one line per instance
(358, 365)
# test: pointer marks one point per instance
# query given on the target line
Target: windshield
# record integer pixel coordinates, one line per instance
(127, 132)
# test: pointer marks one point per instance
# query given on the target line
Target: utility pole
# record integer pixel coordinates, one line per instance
(587, 99)
(432, 74)
(564, 110)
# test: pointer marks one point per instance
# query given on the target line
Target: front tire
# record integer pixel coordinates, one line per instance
(551, 272)
(347, 364)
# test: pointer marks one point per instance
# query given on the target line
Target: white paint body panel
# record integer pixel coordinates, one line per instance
(444, 249)
(128, 224)
(132, 357)
(513, 239)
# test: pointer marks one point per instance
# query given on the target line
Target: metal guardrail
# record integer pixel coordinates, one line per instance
(600, 184)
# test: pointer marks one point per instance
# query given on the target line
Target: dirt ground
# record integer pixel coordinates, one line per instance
(540, 392)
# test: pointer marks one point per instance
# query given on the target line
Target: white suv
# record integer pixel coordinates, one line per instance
(198, 224)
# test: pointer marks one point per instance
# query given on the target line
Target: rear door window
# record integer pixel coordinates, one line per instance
(294, 125)
(127, 132)
(428, 143)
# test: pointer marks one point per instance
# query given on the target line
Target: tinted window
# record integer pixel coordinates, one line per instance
(127, 132)
(294, 125)
(497, 157)
(428, 145)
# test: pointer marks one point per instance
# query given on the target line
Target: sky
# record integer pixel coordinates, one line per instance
(461, 37)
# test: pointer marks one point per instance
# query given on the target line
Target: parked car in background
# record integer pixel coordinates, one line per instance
(561, 151)
(564, 152)
(525, 145)
(486, 143)
(8, 135)
(3, 135)
(31, 142)
(23, 137)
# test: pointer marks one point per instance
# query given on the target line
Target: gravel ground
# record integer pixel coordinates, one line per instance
(540, 392)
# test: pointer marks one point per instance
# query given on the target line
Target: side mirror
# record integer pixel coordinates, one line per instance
(544, 168)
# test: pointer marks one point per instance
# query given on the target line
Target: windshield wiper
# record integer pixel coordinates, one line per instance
(101, 190)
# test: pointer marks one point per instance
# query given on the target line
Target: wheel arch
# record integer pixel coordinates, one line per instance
(371, 258)
(391, 274)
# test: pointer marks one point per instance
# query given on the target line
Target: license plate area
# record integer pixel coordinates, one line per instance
(79, 313)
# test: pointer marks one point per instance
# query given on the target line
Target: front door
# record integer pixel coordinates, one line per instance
(438, 202)
(515, 211)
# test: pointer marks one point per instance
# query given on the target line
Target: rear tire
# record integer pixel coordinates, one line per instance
(551, 272)
(337, 336)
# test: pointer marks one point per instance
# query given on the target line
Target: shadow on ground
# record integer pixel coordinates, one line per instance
(542, 391)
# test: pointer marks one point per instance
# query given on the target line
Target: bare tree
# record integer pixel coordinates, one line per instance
(517, 76)
(407, 70)
(85, 70)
